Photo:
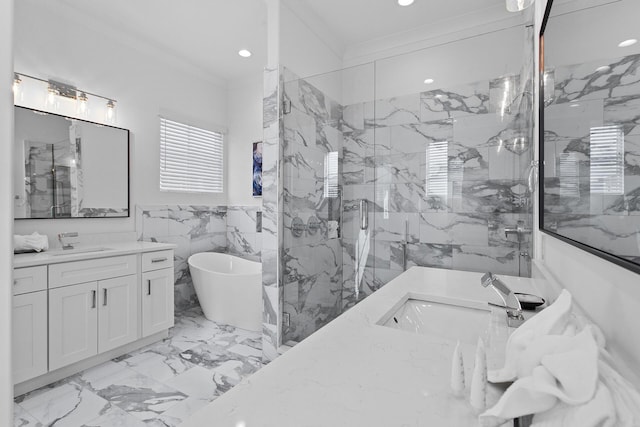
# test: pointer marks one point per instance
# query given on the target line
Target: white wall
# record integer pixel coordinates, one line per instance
(305, 46)
(54, 41)
(6, 214)
(244, 102)
(608, 293)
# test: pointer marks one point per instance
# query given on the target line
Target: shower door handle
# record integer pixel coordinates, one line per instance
(364, 214)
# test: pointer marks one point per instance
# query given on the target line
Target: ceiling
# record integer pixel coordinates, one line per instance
(207, 34)
(357, 21)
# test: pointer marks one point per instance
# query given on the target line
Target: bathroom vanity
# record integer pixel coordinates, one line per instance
(362, 369)
(78, 308)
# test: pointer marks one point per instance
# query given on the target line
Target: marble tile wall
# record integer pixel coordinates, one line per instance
(459, 225)
(312, 261)
(272, 197)
(192, 229)
(243, 238)
(587, 96)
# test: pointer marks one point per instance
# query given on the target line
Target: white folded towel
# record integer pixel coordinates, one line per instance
(598, 412)
(551, 321)
(564, 370)
(34, 241)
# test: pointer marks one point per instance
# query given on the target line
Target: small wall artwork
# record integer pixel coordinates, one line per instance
(257, 169)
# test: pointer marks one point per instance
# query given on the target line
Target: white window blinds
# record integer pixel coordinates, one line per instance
(607, 160)
(191, 159)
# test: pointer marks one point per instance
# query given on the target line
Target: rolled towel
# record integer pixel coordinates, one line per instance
(34, 241)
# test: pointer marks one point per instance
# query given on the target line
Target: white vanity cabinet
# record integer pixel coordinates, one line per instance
(71, 312)
(92, 317)
(29, 340)
(157, 292)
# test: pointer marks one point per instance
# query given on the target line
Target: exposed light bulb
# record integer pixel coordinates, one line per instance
(51, 101)
(111, 112)
(518, 5)
(244, 53)
(17, 88)
(627, 43)
(83, 107)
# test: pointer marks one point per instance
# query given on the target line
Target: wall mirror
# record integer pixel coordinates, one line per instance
(590, 127)
(69, 168)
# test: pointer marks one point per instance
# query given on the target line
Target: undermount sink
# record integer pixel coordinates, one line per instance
(77, 251)
(446, 318)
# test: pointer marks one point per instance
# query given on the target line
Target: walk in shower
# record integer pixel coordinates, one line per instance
(422, 159)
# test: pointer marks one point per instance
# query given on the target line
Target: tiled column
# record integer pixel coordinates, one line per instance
(272, 155)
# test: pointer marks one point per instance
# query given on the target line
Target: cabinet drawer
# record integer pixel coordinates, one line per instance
(69, 273)
(157, 260)
(29, 279)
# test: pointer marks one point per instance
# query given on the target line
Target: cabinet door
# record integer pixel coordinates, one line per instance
(118, 312)
(73, 324)
(29, 336)
(157, 301)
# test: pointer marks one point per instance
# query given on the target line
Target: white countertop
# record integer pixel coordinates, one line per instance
(77, 254)
(355, 373)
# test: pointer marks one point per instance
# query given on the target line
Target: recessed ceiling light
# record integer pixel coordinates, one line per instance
(244, 53)
(574, 105)
(628, 43)
(405, 2)
(603, 69)
(428, 81)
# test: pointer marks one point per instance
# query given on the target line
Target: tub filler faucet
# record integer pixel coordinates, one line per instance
(511, 303)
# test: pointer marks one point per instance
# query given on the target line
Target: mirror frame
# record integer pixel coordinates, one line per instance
(622, 262)
(128, 215)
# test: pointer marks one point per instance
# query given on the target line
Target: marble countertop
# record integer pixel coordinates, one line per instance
(354, 372)
(87, 252)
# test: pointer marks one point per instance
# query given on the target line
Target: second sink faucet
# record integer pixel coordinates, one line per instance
(511, 302)
(67, 240)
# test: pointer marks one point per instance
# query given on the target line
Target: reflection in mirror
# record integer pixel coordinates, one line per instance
(591, 129)
(69, 168)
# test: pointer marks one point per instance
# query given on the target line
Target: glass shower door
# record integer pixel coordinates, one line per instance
(328, 198)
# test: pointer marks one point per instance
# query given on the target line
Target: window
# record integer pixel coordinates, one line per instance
(191, 159)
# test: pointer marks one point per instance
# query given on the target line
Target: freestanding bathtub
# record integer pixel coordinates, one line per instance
(229, 289)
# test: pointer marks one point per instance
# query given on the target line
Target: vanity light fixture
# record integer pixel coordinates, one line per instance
(428, 81)
(627, 43)
(57, 91)
(405, 2)
(244, 53)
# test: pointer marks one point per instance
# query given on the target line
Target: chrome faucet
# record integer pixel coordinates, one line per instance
(66, 239)
(511, 303)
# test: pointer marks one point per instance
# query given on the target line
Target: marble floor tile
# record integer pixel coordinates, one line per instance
(160, 366)
(68, 405)
(162, 384)
(21, 418)
(114, 417)
(200, 383)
